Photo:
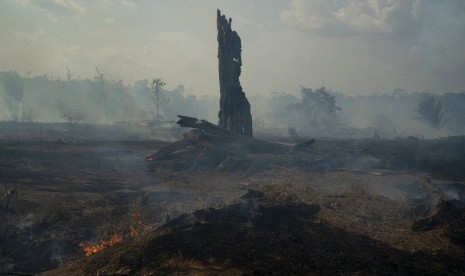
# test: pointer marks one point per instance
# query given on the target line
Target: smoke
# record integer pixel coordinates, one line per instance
(12, 89)
(385, 116)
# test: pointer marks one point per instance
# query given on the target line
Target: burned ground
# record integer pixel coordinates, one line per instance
(207, 148)
(315, 219)
(288, 228)
(261, 240)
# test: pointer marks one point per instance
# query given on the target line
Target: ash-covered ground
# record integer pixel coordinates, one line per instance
(367, 215)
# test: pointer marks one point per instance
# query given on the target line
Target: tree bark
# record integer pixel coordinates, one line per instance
(234, 114)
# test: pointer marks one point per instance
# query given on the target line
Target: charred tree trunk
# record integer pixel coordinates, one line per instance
(234, 114)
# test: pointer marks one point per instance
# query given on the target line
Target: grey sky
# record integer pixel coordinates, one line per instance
(357, 47)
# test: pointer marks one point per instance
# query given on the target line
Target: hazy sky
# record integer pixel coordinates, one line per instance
(353, 46)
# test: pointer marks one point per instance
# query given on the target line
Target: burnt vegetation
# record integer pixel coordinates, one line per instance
(234, 114)
(129, 183)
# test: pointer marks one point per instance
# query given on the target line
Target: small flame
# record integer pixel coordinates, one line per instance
(91, 249)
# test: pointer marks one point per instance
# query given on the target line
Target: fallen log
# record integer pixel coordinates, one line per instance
(210, 147)
(206, 127)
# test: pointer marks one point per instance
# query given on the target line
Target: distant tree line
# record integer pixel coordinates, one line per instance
(315, 112)
(98, 100)
(324, 112)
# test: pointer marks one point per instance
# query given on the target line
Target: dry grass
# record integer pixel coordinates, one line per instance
(75, 206)
(361, 203)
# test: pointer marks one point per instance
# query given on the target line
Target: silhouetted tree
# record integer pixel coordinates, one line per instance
(319, 108)
(430, 111)
(158, 96)
(319, 99)
(101, 82)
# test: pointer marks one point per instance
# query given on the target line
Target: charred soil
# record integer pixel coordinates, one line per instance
(357, 207)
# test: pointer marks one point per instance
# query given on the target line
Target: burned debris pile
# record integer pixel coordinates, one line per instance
(207, 147)
(212, 148)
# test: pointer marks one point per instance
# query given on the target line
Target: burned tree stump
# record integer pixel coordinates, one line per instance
(234, 114)
(228, 146)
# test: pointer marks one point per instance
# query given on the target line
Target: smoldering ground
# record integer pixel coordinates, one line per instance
(74, 193)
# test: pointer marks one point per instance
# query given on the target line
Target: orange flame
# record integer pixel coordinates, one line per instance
(91, 249)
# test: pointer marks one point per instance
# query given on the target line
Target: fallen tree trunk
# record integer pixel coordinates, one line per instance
(210, 147)
(205, 126)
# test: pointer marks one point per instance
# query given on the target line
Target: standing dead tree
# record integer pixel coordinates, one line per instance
(101, 81)
(234, 114)
(158, 96)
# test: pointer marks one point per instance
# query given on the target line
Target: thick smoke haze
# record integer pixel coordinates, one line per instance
(381, 61)
(357, 47)
(316, 112)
